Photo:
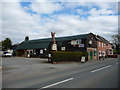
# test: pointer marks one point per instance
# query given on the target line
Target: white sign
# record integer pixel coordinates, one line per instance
(41, 51)
(49, 55)
(54, 47)
(83, 59)
(76, 42)
(81, 45)
(63, 48)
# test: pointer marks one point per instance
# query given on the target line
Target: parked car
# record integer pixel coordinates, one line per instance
(6, 54)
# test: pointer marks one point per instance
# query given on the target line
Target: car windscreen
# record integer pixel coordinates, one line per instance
(5, 52)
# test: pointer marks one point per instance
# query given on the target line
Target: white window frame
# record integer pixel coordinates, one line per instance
(99, 44)
(102, 44)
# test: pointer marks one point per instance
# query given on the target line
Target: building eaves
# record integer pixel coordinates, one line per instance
(44, 43)
(100, 38)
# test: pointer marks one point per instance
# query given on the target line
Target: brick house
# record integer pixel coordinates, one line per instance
(104, 47)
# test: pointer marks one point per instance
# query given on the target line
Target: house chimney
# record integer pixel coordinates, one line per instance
(27, 38)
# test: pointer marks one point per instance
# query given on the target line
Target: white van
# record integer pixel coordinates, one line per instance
(6, 54)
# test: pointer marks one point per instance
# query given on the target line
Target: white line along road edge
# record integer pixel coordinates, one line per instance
(58, 83)
(100, 68)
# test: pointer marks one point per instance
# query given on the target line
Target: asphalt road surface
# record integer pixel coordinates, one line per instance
(93, 74)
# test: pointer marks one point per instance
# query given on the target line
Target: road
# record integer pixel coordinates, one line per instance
(93, 74)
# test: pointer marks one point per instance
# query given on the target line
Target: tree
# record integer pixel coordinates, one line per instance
(116, 42)
(6, 44)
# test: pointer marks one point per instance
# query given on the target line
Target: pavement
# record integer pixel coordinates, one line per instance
(22, 72)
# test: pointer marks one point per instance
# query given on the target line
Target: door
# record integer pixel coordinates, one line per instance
(91, 55)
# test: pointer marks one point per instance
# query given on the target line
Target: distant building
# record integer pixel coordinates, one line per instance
(84, 43)
(14, 48)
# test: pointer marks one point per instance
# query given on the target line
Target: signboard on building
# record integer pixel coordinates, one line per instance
(76, 42)
(81, 45)
(63, 48)
(54, 47)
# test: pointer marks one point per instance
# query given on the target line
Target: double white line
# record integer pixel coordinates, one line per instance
(100, 68)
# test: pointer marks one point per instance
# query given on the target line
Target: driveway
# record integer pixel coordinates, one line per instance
(31, 66)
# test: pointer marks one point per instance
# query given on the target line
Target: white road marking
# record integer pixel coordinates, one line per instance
(58, 83)
(100, 68)
(117, 62)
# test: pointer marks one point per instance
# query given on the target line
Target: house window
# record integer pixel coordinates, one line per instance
(79, 41)
(99, 44)
(107, 52)
(90, 41)
(99, 53)
(111, 52)
(41, 51)
(102, 44)
(103, 53)
(30, 52)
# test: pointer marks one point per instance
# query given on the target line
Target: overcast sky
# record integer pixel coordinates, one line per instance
(38, 19)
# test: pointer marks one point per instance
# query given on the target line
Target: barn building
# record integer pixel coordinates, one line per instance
(40, 47)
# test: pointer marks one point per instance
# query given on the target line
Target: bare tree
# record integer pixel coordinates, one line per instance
(116, 42)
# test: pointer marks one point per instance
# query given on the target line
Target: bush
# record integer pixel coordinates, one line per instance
(116, 51)
(67, 56)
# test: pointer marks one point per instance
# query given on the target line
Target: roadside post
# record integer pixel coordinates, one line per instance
(49, 57)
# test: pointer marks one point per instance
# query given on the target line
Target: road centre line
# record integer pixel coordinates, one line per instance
(58, 83)
(100, 68)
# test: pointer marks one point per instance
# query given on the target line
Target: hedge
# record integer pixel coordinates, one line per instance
(67, 56)
(116, 51)
(112, 56)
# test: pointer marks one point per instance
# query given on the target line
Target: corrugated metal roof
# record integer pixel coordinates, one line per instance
(44, 43)
(28, 45)
(100, 38)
